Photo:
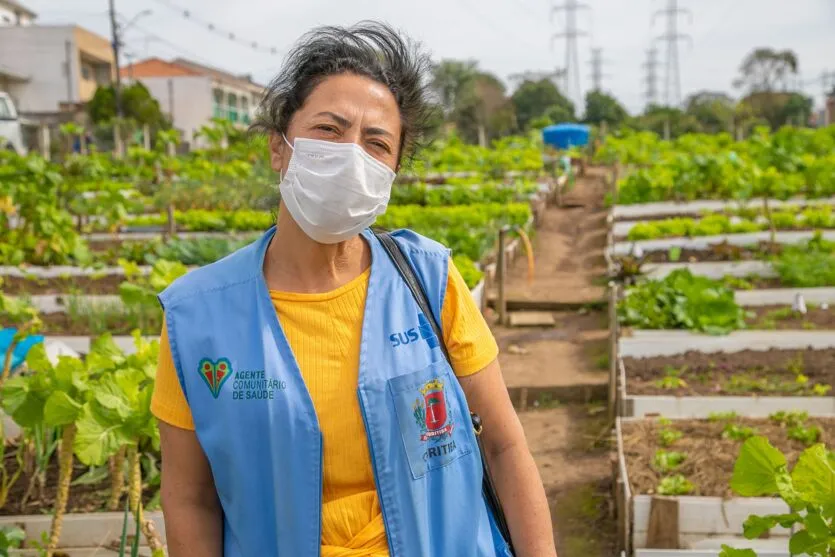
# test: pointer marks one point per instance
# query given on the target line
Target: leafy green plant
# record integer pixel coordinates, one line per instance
(808, 435)
(55, 396)
(10, 538)
(140, 292)
(672, 379)
(675, 485)
(809, 490)
(19, 313)
(682, 300)
(722, 416)
(667, 436)
(667, 461)
(738, 433)
(471, 274)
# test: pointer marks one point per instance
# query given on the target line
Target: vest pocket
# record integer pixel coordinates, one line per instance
(430, 415)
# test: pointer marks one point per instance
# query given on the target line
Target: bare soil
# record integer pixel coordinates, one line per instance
(61, 323)
(108, 284)
(709, 457)
(83, 497)
(571, 442)
(770, 372)
(783, 318)
(721, 252)
(568, 249)
(571, 446)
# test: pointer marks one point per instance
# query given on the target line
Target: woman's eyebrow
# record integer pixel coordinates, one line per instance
(341, 120)
(377, 131)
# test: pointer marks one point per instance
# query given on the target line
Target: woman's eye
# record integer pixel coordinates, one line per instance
(327, 128)
(382, 146)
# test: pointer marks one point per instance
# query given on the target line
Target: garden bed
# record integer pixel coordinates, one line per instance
(783, 317)
(89, 284)
(709, 452)
(704, 243)
(709, 515)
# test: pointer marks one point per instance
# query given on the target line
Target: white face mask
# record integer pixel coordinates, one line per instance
(334, 190)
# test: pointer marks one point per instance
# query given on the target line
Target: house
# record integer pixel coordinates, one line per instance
(50, 70)
(15, 13)
(192, 94)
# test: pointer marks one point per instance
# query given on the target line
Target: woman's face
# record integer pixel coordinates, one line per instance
(345, 108)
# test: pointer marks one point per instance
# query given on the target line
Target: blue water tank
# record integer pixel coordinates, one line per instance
(565, 136)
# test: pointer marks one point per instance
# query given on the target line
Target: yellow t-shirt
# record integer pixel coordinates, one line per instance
(324, 333)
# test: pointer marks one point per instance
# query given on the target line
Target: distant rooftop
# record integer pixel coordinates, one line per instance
(18, 7)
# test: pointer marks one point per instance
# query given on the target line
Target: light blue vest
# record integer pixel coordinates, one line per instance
(257, 425)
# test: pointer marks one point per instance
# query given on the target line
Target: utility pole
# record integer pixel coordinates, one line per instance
(672, 77)
(114, 32)
(651, 79)
(572, 61)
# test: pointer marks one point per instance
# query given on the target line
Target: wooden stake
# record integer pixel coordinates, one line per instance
(146, 137)
(663, 523)
(501, 276)
(613, 350)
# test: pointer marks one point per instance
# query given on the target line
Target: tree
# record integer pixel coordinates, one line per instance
(764, 69)
(137, 105)
(534, 99)
(779, 109)
(713, 110)
(474, 101)
(450, 80)
(656, 118)
(601, 107)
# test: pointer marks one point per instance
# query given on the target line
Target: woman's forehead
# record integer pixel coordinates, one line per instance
(353, 96)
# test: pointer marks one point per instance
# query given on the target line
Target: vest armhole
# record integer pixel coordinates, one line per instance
(175, 352)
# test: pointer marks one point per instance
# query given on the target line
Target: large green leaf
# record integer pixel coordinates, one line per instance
(95, 442)
(60, 409)
(728, 551)
(14, 393)
(36, 359)
(757, 469)
(111, 398)
(814, 478)
(68, 372)
(30, 411)
(755, 526)
(803, 543)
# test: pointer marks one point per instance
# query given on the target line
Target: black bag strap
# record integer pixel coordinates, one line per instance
(406, 271)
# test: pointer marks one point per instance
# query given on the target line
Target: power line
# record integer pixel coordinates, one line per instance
(173, 46)
(489, 23)
(651, 79)
(218, 30)
(570, 34)
(672, 76)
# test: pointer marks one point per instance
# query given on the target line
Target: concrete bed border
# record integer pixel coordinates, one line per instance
(83, 534)
(700, 518)
(639, 406)
(703, 243)
(695, 208)
(643, 343)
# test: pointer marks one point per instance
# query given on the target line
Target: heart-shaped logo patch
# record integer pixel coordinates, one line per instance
(215, 374)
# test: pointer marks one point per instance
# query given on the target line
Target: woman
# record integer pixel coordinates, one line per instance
(305, 405)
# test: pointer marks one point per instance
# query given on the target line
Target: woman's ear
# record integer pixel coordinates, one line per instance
(277, 151)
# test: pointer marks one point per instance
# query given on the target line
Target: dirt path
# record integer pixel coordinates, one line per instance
(568, 249)
(565, 368)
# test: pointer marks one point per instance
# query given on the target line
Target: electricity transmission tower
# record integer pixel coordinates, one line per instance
(672, 76)
(651, 79)
(597, 74)
(570, 34)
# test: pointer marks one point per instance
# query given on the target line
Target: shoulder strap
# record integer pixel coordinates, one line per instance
(405, 269)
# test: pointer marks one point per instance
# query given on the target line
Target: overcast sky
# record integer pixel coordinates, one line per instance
(504, 36)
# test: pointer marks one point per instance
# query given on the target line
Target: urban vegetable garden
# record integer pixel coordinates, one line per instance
(88, 242)
(721, 260)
